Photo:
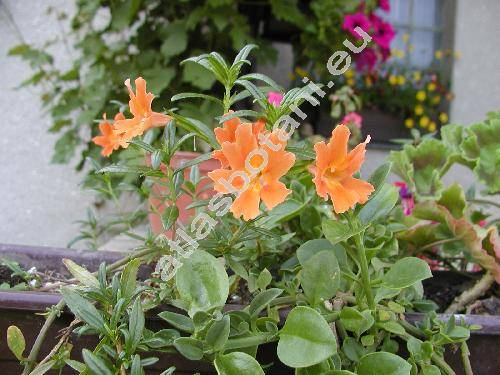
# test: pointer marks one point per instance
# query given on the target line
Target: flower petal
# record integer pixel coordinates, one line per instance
(247, 204)
(274, 193)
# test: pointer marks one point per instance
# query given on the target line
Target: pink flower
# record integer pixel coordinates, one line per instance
(356, 19)
(383, 32)
(275, 98)
(385, 5)
(406, 196)
(352, 117)
(482, 223)
(366, 60)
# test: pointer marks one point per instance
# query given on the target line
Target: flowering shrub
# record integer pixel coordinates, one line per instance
(334, 303)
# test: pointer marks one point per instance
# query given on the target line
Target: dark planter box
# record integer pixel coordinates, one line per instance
(20, 308)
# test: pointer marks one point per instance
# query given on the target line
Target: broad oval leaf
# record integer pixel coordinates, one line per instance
(237, 363)
(218, 333)
(189, 347)
(383, 363)
(405, 272)
(202, 282)
(306, 339)
(336, 231)
(312, 247)
(15, 341)
(320, 277)
(380, 204)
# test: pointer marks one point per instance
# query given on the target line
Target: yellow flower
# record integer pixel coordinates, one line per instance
(443, 117)
(432, 126)
(438, 54)
(406, 37)
(431, 86)
(424, 121)
(349, 73)
(301, 72)
(409, 123)
(436, 99)
(350, 82)
(417, 76)
(401, 80)
(421, 96)
(419, 110)
(393, 80)
(368, 81)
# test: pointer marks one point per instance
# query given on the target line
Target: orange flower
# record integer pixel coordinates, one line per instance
(254, 170)
(140, 107)
(334, 170)
(228, 134)
(110, 140)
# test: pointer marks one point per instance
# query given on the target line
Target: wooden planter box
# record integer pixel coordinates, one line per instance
(20, 308)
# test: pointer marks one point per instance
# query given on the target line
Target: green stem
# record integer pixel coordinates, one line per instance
(441, 363)
(30, 362)
(465, 358)
(484, 201)
(246, 342)
(365, 273)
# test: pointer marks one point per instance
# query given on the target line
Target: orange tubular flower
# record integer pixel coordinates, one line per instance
(334, 169)
(228, 134)
(110, 140)
(140, 107)
(254, 171)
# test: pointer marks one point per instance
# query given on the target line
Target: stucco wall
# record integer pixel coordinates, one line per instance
(39, 201)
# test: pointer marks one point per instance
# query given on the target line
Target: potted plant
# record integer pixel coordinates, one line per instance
(334, 299)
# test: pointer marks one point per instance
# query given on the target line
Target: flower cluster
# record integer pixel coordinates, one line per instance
(381, 31)
(119, 133)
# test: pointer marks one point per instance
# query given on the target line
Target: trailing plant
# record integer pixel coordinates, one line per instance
(333, 304)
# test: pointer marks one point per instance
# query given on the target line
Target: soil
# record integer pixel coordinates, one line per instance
(445, 286)
(5, 276)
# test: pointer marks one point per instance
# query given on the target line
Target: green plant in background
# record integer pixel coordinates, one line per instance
(345, 291)
(447, 222)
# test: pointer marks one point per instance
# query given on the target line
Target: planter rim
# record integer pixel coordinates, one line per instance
(40, 301)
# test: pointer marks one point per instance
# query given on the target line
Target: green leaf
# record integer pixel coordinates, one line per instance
(405, 272)
(320, 277)
(218, 333)
(81, 274)
(181, 322)
(158, 78)
(237, 363)
(264, 279)
(128, 278)
(378, 178)
(263, 78)
(15, 341)
(202, 282)
(243, 54)
(453, 198)
(306, 338)
(311, 248)
(335, 231)
(392, 326)
(136, 368)
(176, 40)
(383, 363)
(189, 347)
(263, 299)
(379, 204)
(169, 216)
(197, 127)
(195, 161)
(82, 308)
(355, 321)
(75, 365)
(95, 364)
(198, 76)
(43, 368)
(188, 95)
(136, 325)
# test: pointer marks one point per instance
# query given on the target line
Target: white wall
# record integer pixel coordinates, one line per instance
(39, 201)
(476, 75)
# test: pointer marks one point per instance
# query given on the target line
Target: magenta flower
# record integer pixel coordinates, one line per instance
(407, 200)
(383, 32)
(385, 5)
(356, 19)
(353, 117)
(275, 98)
(366, 60)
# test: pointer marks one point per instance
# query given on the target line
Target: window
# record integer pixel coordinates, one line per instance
(427, 23)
